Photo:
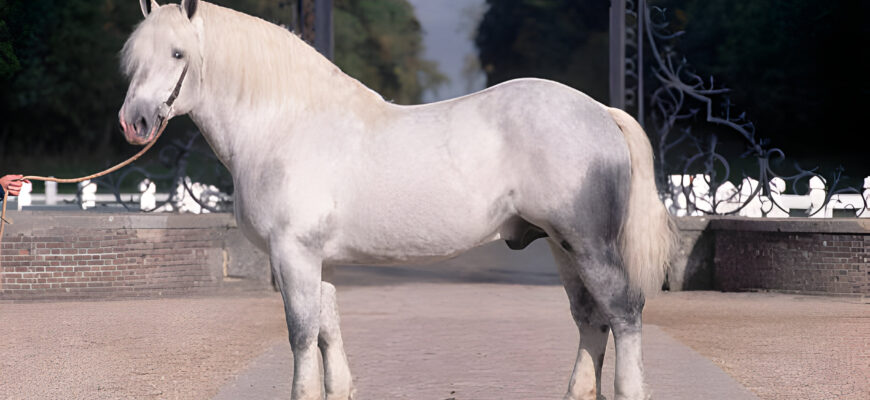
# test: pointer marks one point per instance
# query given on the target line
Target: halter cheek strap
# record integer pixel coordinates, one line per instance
(166, 107)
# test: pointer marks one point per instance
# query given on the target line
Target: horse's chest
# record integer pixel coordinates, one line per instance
(249, 223)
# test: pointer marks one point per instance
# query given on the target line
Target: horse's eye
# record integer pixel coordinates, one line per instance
(178, 54)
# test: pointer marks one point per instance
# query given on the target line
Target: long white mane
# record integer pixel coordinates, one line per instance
(249, 59)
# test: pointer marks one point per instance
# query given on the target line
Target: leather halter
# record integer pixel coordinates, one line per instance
(166, 107)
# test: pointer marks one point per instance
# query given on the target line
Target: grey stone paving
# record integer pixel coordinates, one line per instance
(501, 348)
(674, 372)
(491, 324)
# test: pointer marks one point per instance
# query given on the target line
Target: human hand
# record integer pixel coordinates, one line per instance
(12, 184)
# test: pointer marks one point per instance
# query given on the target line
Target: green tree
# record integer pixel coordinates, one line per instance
(795, 66)
(8, 61)
(380, 43)
(565, 41)
(60, 84)
(66, 88)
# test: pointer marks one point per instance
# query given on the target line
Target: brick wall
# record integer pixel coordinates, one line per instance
(92, 255)
(829, 256)
(64, 255)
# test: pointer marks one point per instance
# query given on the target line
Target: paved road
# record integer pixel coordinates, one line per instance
(489, 325)
(492, 324)
(476, 341)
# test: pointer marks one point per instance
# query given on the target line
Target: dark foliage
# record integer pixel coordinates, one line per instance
(561, 40)
(797, 67)
(61, 88)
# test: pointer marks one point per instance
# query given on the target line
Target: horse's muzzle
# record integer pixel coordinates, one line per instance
(139, 131)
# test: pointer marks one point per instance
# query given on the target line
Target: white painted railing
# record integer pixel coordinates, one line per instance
(147, 198)
(729, 198)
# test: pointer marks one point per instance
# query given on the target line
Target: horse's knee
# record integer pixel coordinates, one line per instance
(298, 275)
(303, 324)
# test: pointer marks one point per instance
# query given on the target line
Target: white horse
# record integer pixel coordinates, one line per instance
(327, 172)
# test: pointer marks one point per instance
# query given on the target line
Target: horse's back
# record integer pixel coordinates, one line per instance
(538, 118)
(534, 118)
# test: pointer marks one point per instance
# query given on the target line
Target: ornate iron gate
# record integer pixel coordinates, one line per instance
(660, 88)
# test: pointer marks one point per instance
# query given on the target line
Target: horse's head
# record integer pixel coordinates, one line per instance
(163, 61)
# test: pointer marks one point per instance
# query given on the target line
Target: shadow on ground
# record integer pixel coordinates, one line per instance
(492, 263)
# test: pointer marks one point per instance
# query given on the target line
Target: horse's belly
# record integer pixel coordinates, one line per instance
(416, 232)
(403, 252)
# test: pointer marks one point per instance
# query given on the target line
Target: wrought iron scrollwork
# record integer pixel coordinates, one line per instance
(680, 99)
(177, 165)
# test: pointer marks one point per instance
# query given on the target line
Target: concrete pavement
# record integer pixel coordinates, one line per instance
(493, 324)
(673, 372)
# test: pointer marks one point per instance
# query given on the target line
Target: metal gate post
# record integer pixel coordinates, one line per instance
(315, 25)
(617, 53)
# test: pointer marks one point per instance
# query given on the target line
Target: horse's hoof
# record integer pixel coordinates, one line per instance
(598, 397)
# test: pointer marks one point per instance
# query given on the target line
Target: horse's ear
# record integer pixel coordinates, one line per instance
(148, 6)
(189, 7)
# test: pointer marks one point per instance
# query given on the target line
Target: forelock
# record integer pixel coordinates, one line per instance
(139, 46)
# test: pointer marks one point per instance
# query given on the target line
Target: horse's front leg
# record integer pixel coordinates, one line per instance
(336, 372)
(297, 273)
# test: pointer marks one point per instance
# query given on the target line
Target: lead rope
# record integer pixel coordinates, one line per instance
(3, 220)
(164, 121)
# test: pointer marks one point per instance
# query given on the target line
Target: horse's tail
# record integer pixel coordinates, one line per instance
(648, 234)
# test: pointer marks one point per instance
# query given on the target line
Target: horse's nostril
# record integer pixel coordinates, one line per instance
(142, 126)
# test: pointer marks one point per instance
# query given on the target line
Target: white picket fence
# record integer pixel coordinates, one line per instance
(729, 198)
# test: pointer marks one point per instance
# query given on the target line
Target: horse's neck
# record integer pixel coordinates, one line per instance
(258, 77)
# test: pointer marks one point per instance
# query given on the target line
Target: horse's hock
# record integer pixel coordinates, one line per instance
(92, 255)
(85, 255)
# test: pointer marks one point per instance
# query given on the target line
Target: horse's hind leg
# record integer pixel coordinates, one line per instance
(597, 262)
(336, 377)
(594, 329)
